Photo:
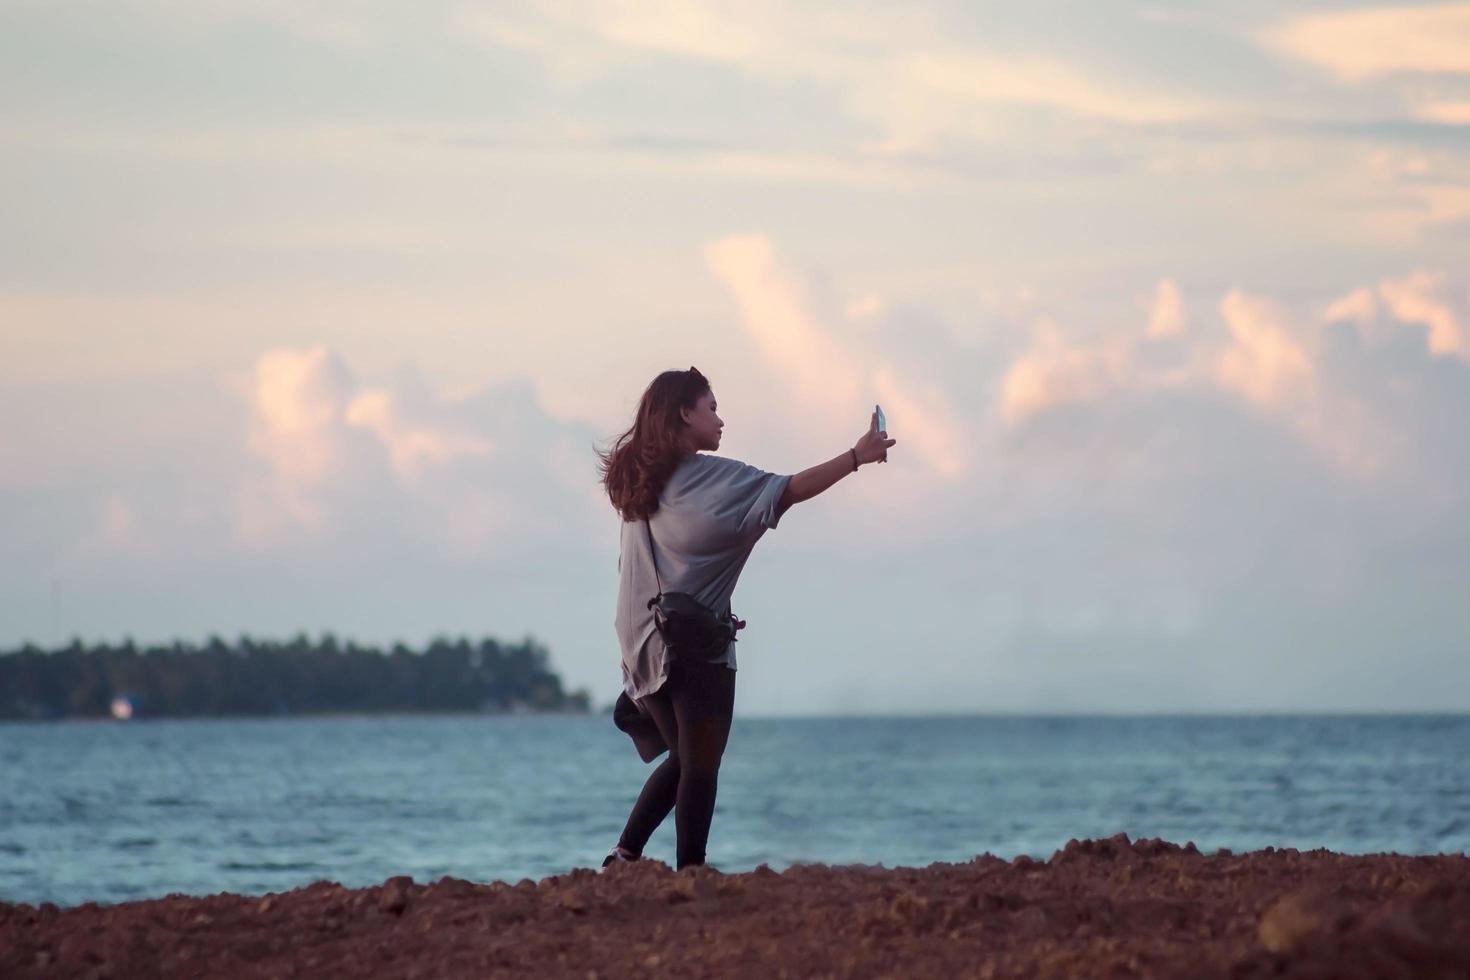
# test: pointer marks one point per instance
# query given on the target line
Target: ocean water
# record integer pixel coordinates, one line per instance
(114, 811)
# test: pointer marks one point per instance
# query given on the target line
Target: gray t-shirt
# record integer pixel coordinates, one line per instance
(710, 515)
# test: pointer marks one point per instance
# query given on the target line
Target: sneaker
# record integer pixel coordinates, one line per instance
(617, 855)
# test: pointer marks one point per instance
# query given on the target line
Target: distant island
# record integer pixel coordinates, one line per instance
(260, 677)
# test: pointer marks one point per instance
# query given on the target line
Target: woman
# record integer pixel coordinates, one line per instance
(704, 515)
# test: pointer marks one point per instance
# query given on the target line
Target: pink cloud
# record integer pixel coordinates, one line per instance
(296, 402)
(1265, 363)
(1166, 314)
(1421, 297)
(411, 446)
(828, 375)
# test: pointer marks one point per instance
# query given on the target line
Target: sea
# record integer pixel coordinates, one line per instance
(115, 811)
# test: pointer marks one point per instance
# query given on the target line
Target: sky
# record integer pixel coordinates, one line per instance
(312, 315)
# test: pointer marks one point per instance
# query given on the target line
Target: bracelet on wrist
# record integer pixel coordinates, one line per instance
(854, 460)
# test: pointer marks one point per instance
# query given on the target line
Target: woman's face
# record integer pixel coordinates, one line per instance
(704, 425)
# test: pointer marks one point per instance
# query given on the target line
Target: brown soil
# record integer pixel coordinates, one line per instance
(1107, 908)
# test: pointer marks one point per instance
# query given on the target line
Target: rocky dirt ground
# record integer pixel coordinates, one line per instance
(1104, 908)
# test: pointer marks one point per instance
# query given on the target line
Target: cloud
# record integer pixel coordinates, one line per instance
(823, 375)
(1450, 112)
(1358, 306)
(1280, 365)
(1058, 372)
(1265, 355)
(1406, 198)
(897, 68)
(411, 447)
(352, 25)
(929, 428)
(1271, 358)
(1266, 363)
(961, 79)
(1359, 45)
(1408, 68)
(1421, 298)
(1166, 316)
(1273, 364)
(294, 455)
(296, 401)
(827, 373)
(1156, 543)
(865, 306)
(481, 469)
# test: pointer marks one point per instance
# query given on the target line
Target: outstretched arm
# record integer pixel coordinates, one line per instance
(872, 447)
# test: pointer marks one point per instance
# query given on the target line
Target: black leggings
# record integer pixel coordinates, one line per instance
(692, 710)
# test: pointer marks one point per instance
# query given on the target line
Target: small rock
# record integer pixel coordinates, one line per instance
(394, 896)
(454, 887)
(266, 904)
(1296, 917)
(908, 906)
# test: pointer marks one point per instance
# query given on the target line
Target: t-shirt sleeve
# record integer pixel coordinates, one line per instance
(760, 493)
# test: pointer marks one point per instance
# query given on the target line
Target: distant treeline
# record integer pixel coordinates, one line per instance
(299, 676)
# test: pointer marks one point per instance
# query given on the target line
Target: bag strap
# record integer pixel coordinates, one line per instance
(652, 558)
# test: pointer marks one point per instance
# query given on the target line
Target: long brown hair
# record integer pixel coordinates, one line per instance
(642, 459)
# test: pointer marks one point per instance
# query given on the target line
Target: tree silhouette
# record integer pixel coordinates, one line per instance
(298, 676)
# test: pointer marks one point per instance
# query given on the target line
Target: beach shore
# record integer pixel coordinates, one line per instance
(1104, 908)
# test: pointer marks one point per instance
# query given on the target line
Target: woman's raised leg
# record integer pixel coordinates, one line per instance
(662, 786)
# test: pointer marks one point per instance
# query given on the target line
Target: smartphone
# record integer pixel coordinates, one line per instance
(882, 421)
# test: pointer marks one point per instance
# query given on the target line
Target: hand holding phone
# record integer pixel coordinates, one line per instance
(880, 427)
(874, 444)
